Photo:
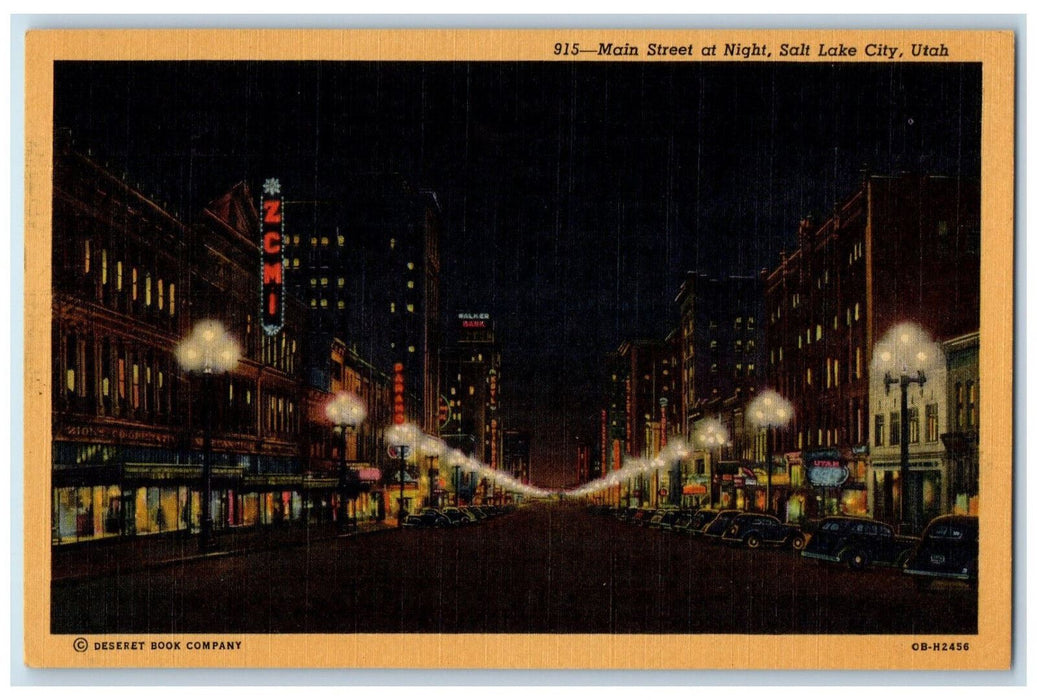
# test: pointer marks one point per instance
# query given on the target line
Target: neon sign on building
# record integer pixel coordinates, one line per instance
(272, 257)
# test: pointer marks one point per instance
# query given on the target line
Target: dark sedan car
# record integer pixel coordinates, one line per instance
(756, 529)
(858, 542)
(699, 520)
(429, 517)
(718, 526)
(949, 549)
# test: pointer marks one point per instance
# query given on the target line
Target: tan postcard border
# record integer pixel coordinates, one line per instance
(990, 649)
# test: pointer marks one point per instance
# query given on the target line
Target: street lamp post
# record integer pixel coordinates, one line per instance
(346, 411)
(710, 435)
(770, 410)
(207, 351)
(402, 438)
(902, 356)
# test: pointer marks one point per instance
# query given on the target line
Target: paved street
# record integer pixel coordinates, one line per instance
(545, 568)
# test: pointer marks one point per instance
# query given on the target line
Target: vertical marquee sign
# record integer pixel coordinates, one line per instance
(272, 257)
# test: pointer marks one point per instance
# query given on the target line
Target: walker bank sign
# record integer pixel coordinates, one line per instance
(272, 257)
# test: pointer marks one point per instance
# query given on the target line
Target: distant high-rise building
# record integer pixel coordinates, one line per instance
(365, 262)
(471, 390)
(721, 339)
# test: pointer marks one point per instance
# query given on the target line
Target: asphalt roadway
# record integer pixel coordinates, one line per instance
(548, 568)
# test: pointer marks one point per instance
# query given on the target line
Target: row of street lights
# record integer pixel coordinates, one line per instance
(903, 355)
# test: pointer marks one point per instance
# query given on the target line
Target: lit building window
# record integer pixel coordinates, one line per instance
(392, 307)
(323, 240)
(880, 430)
(133, 282)
(410, 308)
(172, 299)
(341, 241)
(147, 289)
(86, 257)
(313, 303)
(118, 275)
(410, 348)
(324, 281)
(392, 244)
(857, 312)
(410, 266)
(313, 241)
(104, 266)
(341, 304)
(161, 295)
(410, 284)
(323, 303)
(341, 281)
(313, 281)
(932, 423)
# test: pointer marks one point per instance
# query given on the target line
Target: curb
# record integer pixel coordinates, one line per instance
(230, 552)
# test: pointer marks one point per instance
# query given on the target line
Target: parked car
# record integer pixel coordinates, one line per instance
(755, 530)
(428, 517)
(718, 525)
(682, 522)
(858, 542)
(643, 516)
(458, 516)
(699, 521)
(663, 518)
(949, 549)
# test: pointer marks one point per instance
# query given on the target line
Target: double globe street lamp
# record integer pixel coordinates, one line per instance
(346, 412)
(770, 411)
(711, 436)
(209, 350)
(902, 357)
(402, 439)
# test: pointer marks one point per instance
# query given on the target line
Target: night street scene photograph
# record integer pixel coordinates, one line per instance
(515, 347)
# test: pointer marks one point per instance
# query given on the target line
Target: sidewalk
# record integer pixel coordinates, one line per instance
(128, 554)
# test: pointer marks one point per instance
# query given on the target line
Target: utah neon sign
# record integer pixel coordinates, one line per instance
(272, 258)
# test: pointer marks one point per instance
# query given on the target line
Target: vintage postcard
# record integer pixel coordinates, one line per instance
(573, 349)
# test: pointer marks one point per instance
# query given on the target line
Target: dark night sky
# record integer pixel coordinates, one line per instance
(574, 196)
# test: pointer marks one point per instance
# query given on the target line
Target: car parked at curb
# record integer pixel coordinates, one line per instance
(949, 549)
(699, 520)
(858, 543)
(718, 526)
(755, 530)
